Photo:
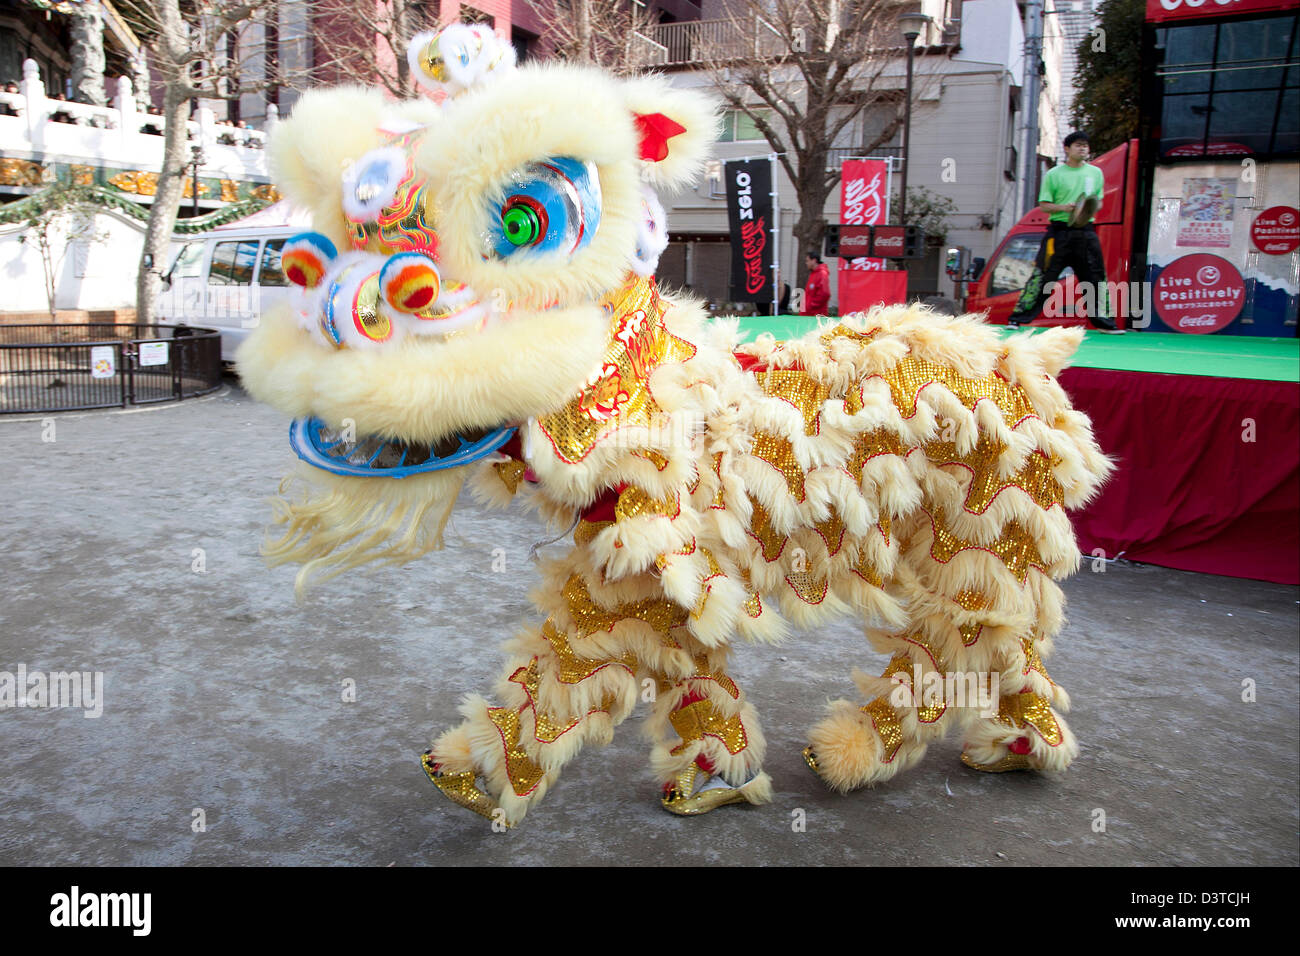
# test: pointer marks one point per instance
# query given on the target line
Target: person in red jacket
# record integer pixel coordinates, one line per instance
(817, 294)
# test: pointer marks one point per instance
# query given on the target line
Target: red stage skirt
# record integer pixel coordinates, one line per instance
(1208, 474)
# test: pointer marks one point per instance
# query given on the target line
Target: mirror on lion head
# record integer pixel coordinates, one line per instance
(467, 252)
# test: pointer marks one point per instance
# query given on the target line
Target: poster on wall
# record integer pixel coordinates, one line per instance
(1205, 216)
(864, 201)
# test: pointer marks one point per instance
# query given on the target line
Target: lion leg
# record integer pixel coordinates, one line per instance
(978, 587)
(972, 656)
(568, 683)
(708, 746)
(558, 694)
(855, 746)
(1025, 729)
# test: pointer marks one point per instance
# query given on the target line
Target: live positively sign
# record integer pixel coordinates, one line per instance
(1199, 293)
(1276, 230)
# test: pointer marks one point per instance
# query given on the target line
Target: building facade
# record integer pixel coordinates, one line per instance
(967, 138)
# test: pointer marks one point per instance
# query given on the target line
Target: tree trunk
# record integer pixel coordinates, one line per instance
(811, 192)
(166, 201)
(87, 28)
(46, 246)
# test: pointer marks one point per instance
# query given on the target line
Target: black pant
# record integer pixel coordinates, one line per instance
(1078, 248)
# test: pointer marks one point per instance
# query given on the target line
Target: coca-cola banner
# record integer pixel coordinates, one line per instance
(864, 201)
(1163, 11)
(749, 214)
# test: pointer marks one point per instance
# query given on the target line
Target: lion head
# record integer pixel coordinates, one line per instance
(459, 277)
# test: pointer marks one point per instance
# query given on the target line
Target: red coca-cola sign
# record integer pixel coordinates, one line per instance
(888, 242)
(1162, 11)
(855, 240)
(1200, 293)
(862, 203)
(1276, 230)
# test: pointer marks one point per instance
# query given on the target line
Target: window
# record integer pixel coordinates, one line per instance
(1230, 87)
(232, 263)
(188, 262)
(739, 127)
(1013, 268)
(271, 274)
(524, 42)
(875, 121)
(470, 15)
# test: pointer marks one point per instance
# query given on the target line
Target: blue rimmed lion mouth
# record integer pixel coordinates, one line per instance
(330, 449)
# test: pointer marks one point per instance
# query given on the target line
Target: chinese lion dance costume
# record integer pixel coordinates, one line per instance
(477, 308)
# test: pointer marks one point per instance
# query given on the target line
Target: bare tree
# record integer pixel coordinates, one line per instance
(53, 218)
(367, 40)
(613, 34)
(198, 49)
(803, 72)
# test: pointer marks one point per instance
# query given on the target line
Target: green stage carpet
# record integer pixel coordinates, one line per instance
(1219, 356)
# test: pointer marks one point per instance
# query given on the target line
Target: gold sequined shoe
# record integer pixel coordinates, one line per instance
(1016, 758)
(1008, 763)
(810, 758)
(460, 788)
(687, 797)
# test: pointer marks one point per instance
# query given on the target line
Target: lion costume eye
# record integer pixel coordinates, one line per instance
(552, 206)
(524, 221)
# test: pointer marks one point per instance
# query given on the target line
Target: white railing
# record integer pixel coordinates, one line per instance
(116, 134)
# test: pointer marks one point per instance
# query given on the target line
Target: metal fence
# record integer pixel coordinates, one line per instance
(51, 368)
(703, 41)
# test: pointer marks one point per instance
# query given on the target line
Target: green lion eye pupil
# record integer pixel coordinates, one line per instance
(522, 225)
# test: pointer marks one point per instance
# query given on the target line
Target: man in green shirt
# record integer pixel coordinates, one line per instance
(1071, 239)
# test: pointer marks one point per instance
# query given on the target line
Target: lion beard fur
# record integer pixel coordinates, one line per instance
(332, 523)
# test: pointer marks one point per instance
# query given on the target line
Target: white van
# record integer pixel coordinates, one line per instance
(226, 278)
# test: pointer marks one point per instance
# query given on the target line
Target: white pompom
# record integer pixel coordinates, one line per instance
(458, 57)
(651, 234)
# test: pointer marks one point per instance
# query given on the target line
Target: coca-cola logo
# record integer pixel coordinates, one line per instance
(889, 243)
(1276, 230)
(1199, 293)
(855, 240)
(753, 240)
(862, 201)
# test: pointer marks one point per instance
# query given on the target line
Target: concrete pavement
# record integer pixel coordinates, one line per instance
(130, 548)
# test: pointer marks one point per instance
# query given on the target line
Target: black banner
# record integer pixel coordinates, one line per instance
(749, 214)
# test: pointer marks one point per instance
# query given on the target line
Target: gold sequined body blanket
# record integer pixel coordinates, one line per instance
(908, 469)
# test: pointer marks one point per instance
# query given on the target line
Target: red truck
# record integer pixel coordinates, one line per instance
(995, 287)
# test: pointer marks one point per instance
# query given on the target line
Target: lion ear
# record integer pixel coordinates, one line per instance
(676, 130)
(328, 129)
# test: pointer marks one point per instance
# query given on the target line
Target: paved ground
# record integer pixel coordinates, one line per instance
(222, 694)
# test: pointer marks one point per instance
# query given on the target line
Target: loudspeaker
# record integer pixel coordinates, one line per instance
(831, 243)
